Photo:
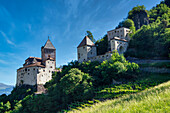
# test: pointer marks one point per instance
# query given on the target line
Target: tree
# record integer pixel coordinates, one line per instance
(102, 45)
(167, 2)
(128, 23)
(90, 35)
(135, 10)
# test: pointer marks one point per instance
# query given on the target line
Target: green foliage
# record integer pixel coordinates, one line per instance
(156, 64)
(128, 23)
(153, 100)
(90, 35)
(102, 45)
(161, 10)
(116, 68)
(150, 41)
(135, 10)
(167, 2)
(5, 107)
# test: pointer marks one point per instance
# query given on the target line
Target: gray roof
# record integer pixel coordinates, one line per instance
(49, 45)
(86, 41)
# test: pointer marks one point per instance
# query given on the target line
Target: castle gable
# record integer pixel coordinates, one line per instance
(49, 45)
(86, 41)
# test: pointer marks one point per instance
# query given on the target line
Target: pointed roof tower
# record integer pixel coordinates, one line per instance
(86, 41)
(48, 44)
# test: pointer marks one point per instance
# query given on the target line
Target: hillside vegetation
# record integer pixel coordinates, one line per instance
(156, 100)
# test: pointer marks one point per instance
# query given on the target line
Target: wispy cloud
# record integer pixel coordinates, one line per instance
(72, 7)
(7, 39)
(3, 62)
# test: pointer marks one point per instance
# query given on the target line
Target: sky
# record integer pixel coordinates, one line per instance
(26, 24)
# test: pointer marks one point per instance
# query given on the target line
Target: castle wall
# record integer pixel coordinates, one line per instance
(91, 52)
(35, 75)
(118, 45)
(121, 33)
(101, 58)
(82, 53)
(45, 74)
(27, 76)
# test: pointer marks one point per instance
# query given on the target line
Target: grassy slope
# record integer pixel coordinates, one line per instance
(156, 99)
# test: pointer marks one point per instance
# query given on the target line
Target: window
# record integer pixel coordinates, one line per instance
(28, 73)
(115, 31)
(28, 69)
(25, 69)
(49, 71)
(91, 52)
(43, 70)
(121, 35)
(83, 47)
(51, 67)
(34, 69)
(78, 55)
(120, 30)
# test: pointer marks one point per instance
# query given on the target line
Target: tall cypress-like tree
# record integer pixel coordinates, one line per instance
(90, 35)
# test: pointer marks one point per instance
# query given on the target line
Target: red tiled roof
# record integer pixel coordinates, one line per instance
(38, 64)
(84, 42)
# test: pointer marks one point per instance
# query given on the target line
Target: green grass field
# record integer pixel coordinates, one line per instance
(155, 100)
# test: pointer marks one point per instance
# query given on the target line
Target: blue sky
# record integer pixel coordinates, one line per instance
(26, 24)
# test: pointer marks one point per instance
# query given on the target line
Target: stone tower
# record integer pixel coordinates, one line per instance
(86, 49)
(48, 51)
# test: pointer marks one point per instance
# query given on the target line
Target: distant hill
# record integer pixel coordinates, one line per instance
(5, 89)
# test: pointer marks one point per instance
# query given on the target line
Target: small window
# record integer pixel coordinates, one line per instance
(28, 73)
(91, 52)
(28, 69)
(51, 67)
(83, 47)
(43, 70)
(49, 71)
(115, 31)
(25, 69)
(34, 69)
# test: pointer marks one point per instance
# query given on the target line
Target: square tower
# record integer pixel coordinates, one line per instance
(86, 49)
(48, 51)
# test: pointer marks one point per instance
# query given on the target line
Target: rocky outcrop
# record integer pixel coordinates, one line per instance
(140, 19)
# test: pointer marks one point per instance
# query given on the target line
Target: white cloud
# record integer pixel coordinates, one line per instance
(7, 39)
(72, 7)
(3, 62)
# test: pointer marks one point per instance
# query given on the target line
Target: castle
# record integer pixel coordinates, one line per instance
(38, 71)
(117, 40)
